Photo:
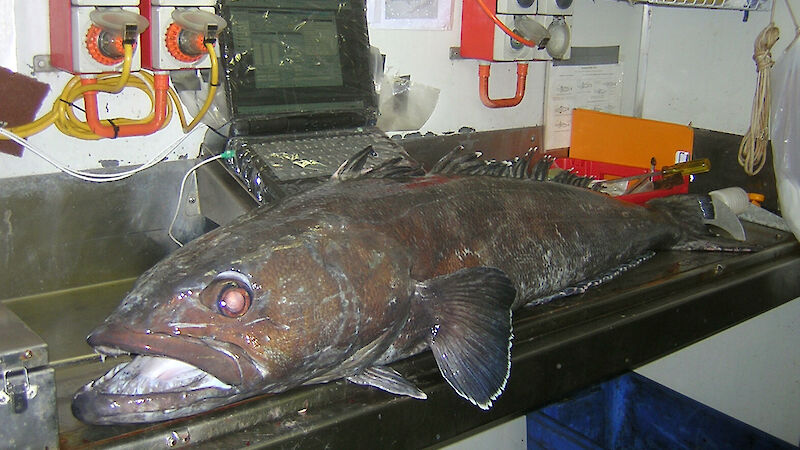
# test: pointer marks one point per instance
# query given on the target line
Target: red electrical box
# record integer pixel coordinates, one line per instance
(175, 39)
(482, 38)
(86, 36)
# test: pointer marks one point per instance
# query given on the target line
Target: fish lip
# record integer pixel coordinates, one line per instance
(99, 408)
(229, 365)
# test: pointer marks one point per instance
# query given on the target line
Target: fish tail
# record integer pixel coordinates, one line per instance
(689, 212)
(689, 215)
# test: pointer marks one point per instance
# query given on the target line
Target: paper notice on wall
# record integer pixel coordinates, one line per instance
(595, 87)
(410, 14)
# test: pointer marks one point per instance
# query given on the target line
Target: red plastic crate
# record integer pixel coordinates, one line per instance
(607, 171)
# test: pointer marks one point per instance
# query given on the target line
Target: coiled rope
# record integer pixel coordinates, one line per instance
(753, 148)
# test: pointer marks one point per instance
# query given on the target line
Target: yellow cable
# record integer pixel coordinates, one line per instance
(70, 125)
(61, 113)
(63, 116)
(212, 90)
(127, 62)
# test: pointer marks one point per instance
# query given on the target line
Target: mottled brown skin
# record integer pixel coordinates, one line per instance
(334, 272)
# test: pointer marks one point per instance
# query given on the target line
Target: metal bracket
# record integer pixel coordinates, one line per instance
(41, 63)
(455, 53)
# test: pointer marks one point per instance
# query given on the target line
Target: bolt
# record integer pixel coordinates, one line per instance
(192, 200)
(28, 354)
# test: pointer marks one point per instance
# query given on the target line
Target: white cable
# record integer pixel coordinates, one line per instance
(96, 177)
(794, 18)
(180, 195)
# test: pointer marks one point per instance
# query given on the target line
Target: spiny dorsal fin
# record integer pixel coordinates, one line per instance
(541, 172)
(399, 167)
(462, 162)
(471, 330)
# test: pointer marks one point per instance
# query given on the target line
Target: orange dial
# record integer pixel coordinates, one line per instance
(105, 47)
(185, 46)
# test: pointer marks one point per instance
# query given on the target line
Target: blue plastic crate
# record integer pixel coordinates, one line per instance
(633, 412)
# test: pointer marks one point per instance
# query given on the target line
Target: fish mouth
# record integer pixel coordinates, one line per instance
(149, 389)
(168, 377)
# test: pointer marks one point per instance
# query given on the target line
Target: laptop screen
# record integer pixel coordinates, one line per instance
(298, 64)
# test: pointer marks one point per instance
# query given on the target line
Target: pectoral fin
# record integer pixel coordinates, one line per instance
(389, 380)
(471, 331)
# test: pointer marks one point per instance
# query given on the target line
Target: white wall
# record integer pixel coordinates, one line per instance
(8, 55)
(700, 66)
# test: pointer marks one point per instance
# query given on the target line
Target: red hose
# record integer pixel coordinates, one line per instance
(483, 74)
(161, 86)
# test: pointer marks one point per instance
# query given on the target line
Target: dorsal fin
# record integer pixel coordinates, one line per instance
(462, 162)
(399, 167)
(541, 172)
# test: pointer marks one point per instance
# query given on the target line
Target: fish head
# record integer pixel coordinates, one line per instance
(225, 318)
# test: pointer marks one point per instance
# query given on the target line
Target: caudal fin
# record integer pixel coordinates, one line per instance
(692, 214)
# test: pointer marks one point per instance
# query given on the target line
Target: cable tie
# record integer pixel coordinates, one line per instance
(115, 127)
(213, 84)
(73, 105)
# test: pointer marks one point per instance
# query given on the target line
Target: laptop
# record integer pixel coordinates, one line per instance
(300, 92)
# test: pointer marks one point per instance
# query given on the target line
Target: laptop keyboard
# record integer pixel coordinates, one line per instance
(272, 167)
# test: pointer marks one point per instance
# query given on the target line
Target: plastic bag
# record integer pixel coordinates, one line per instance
(193, 92)
(405, 105)
(785, 133)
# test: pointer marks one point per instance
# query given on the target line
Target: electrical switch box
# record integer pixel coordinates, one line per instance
(86, 36)
(482, 39)
(517, 6)
(177, 34)
(505, 47)
(555, 7)
(558, 45)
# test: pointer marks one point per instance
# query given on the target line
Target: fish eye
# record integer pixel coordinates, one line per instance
(229, 295)
(233, 301)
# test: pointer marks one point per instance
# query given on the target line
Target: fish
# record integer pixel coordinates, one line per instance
(374, 266)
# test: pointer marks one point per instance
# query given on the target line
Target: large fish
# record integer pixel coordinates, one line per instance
(371, 267)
